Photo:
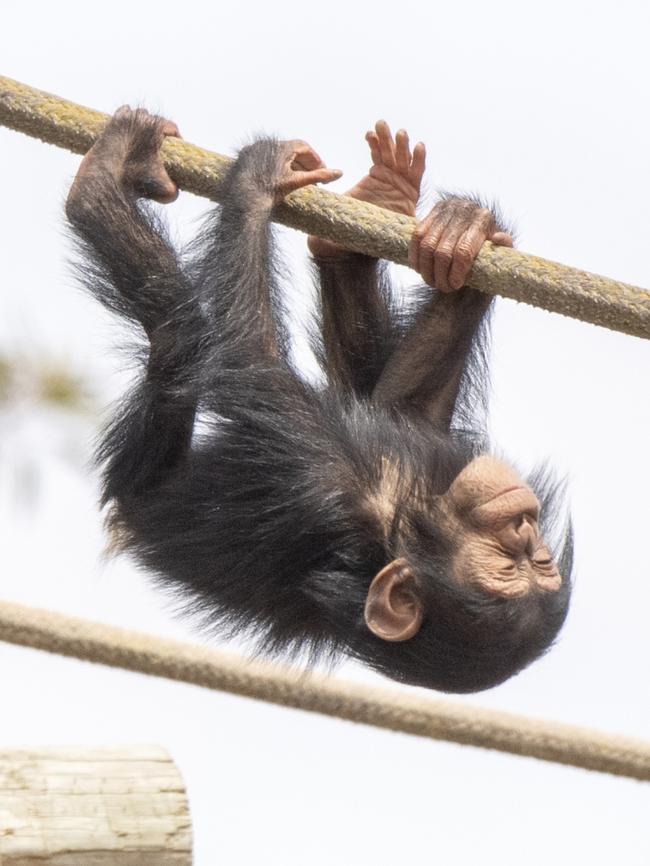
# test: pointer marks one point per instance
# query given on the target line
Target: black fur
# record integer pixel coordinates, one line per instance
(260, 520)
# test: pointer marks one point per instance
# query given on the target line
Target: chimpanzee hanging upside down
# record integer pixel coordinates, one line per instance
(366, 516)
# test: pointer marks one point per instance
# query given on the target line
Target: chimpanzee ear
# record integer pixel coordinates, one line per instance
(394, 609)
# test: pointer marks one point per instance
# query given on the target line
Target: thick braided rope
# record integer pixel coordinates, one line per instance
(360, 226)
(396, 711)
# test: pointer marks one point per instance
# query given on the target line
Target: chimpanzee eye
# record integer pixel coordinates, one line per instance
(544, 562)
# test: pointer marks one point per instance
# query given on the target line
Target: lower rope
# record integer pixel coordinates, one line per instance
(394, 710)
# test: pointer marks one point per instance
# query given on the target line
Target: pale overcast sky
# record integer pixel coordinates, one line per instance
(542, 105)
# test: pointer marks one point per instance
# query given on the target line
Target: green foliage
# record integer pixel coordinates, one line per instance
(61, 387)
(6, 380)
(43, 381)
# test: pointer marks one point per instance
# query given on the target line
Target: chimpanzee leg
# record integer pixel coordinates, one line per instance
(133, 270)
(236, 272)
(236, 279)
(359, 324)
(197, 513)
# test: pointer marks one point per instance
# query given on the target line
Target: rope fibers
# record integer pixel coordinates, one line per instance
(358, 225)
(381, 708)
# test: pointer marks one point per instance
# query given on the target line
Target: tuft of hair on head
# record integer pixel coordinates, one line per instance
(555, 520)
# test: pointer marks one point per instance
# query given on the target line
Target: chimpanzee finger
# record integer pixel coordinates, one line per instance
(418, 163)
(159, 187)
(402, 152)
(426, 246)
(445, 253)
(305, 157)
(298, 179)
(501, 239)
(124, 112)
(169, 128)
(465, 252)
(323, 175)
(469, 245)
(156, 184)
(373, 144)
(386, 143)
(419, 233)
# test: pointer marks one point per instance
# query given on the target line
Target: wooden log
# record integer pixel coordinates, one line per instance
(79, 806)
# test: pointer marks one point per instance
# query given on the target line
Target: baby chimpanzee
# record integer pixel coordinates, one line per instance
(366, 516)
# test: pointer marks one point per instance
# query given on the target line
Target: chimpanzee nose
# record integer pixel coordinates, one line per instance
(528, 536)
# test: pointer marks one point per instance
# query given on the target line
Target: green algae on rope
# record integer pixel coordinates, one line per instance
(360, 226)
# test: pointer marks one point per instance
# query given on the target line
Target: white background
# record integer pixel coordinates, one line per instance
(544, 105)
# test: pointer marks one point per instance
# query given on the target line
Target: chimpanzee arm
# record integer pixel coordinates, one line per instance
(426, 371)
(235, 274)
(131, 267)
(433, 362)
(359, 320)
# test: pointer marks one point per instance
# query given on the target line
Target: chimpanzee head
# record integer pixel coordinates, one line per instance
(476, 592)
